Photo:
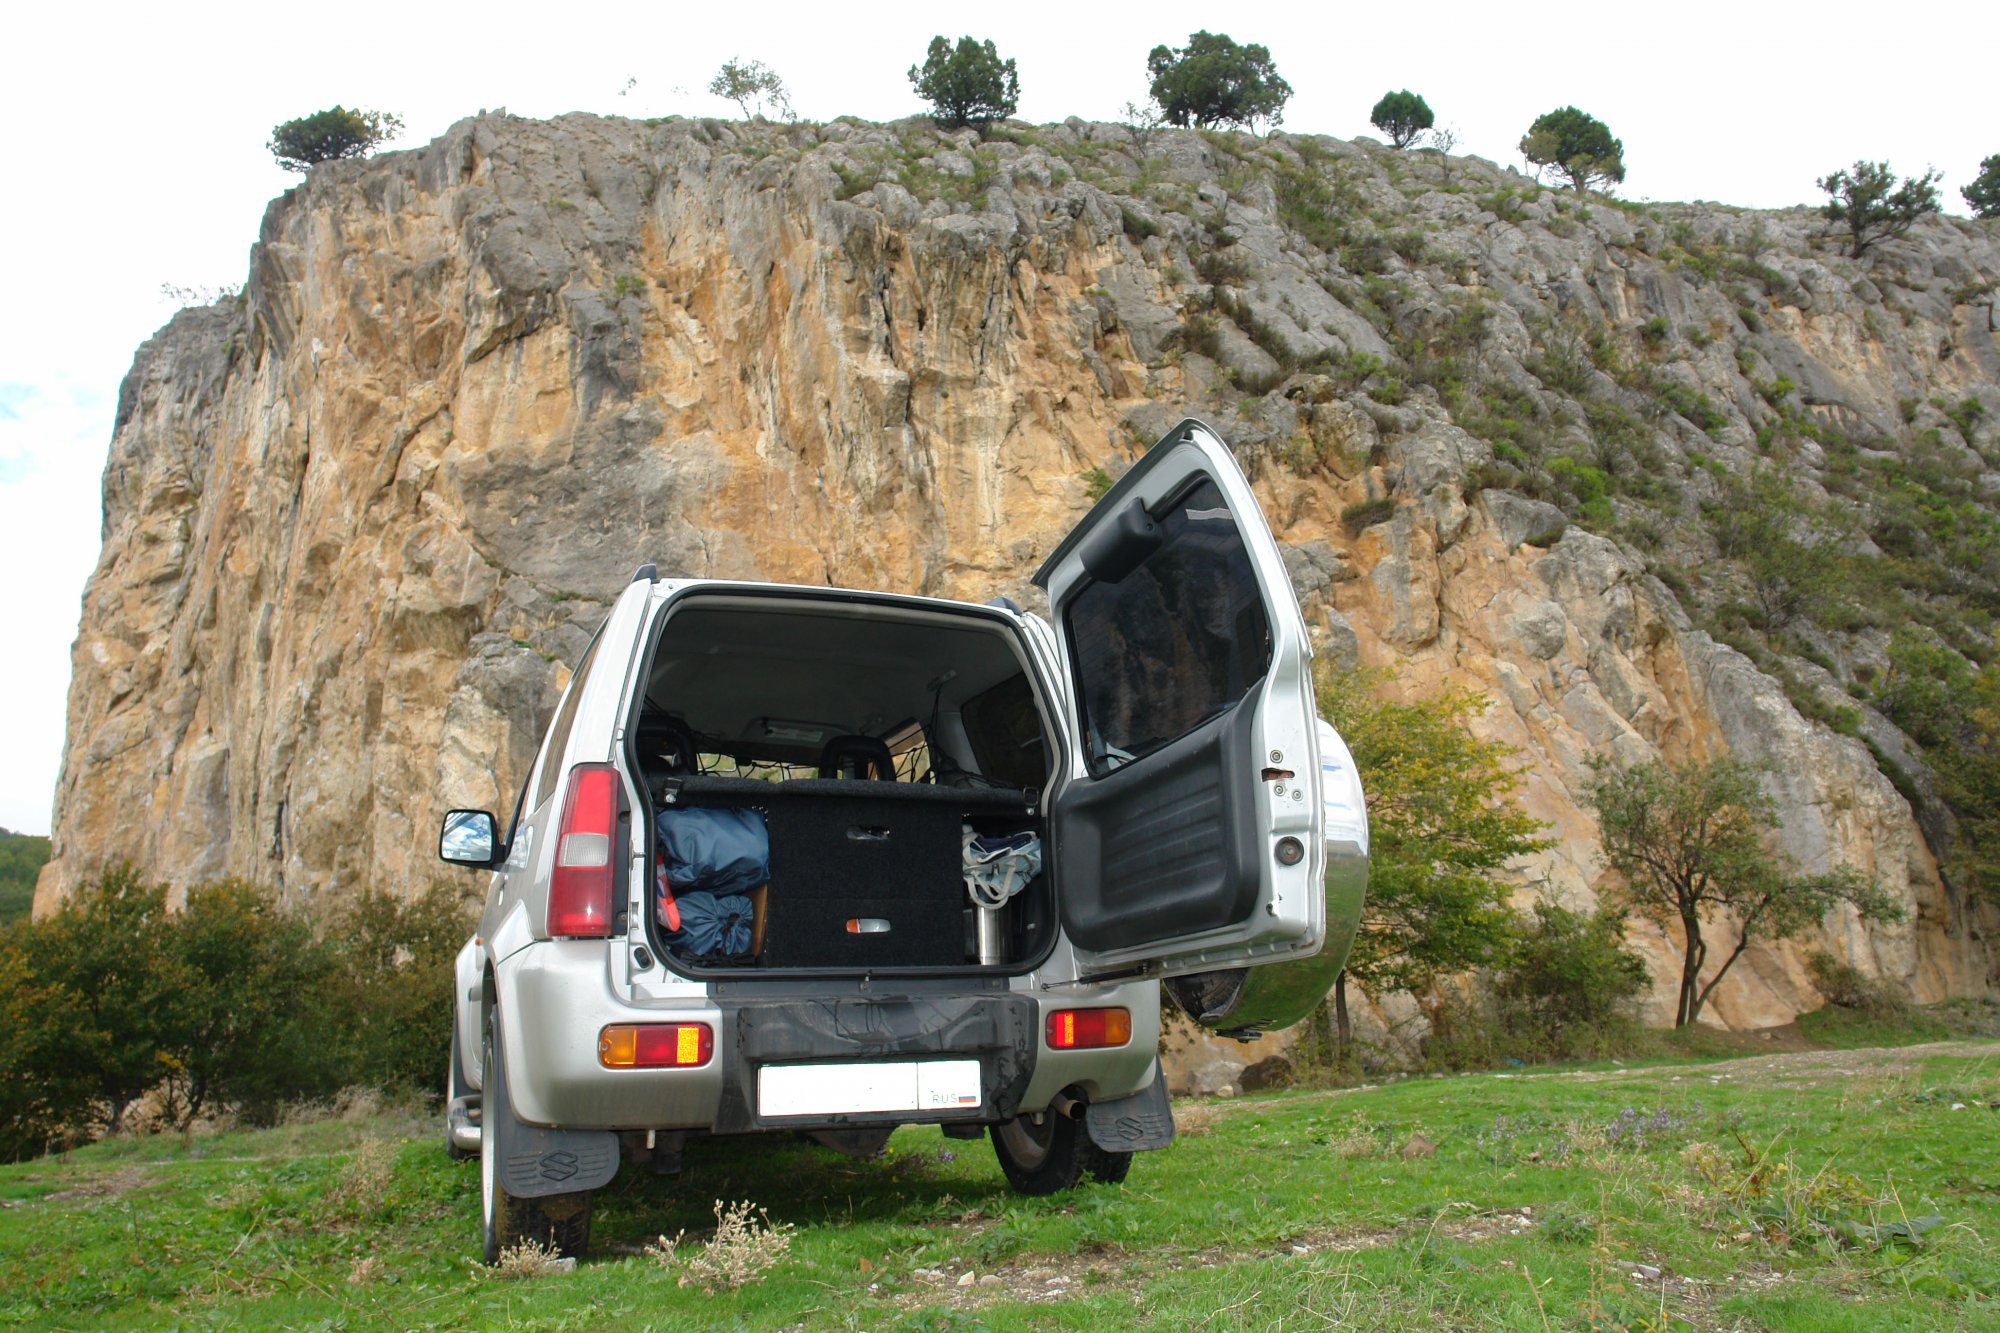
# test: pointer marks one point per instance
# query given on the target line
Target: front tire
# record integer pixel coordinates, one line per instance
(1054, 1155)
(561, 1220)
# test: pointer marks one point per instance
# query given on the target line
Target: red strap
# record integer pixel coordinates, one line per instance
(670, 911)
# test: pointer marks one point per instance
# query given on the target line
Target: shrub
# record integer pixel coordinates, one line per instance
(1213, 82)
(1403, 116)
(231, 1000)
(392, 984)
(966, 85)
(328, 135)
(1846, 986)
(745, 1244)
(1576, 146)
(1570, 983)
(22, 856)
(1357, 518)
(1874, 207)
(1983, 195)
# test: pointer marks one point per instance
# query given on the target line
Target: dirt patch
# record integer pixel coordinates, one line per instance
(1779, 1069)
(110, 1185)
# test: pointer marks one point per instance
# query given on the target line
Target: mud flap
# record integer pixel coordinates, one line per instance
(534, 1162)
(1143, 1121)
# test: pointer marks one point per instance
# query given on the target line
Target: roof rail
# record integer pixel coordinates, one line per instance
(646, 574)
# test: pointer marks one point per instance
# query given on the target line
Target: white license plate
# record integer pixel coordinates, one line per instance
(918, 1085)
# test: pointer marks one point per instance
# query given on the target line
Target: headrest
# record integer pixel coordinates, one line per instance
(857, 757)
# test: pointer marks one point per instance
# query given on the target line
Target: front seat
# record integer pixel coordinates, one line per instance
(857, 757)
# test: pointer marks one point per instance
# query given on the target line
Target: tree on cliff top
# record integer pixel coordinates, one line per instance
(1574, 145)
(1874, 207)
(966, 85)
(1442, 823)
(1212, 81)
(1690, 842)
(1402, 116)
(1983, 195)
(327, 135)
(749, 84)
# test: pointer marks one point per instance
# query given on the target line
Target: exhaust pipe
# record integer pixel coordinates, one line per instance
(461, 1124)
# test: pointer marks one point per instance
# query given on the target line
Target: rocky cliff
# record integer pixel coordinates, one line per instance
(357, 523)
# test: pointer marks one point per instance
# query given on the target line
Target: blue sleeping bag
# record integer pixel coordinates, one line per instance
(708, 860)
(712, 927)
(714, 851)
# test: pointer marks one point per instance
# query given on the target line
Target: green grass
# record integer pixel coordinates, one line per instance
(1569, 1199)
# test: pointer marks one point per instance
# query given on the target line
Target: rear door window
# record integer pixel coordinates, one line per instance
(558, 739)
(1177, 641)
(1005, 729)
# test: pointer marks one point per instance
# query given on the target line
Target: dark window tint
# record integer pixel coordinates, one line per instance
(1006, 734)
(1173, 643)
(558, 741)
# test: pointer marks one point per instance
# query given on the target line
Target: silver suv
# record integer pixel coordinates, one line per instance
(811, 860)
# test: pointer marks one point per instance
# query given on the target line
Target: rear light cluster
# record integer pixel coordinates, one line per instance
(1086, 1029)
(580, 888)
(655, 1045)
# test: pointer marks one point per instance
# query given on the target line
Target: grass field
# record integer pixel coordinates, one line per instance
(1854, 1189)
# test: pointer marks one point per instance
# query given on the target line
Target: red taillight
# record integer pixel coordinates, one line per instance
(580, 887)
(655, 1045)
(1082, 1029)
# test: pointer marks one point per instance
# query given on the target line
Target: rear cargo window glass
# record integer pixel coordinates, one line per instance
(1006, 734)
(558, 740)
(1175, 642)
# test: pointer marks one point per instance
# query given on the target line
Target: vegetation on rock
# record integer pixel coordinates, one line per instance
(328, 135)
(1213, 82)
(1403, 116)
(1576, 146)
(967, 84)
(1875, 208)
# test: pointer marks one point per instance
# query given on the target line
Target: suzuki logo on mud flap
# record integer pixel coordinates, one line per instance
(559, 1166)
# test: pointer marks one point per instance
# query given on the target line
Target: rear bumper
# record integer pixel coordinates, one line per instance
(556, 998)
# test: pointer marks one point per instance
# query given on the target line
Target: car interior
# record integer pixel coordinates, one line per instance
(873, 743)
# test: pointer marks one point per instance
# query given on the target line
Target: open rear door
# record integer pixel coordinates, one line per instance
(1187, 832)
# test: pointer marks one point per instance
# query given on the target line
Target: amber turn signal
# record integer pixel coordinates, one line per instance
(655, 1046)
(1086, 1029)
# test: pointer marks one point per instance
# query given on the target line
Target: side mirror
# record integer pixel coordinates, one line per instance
(469, 838)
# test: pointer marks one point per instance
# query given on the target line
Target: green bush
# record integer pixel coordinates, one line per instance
(968, 84)
(325, 136)
(1874, 207)
(393, 980)
(1576, 146)
(1570, 983)
(22, 856)
(232, 1000)
(1403, 116)
(1846, 986)
(1982, 196)
(1213, 82)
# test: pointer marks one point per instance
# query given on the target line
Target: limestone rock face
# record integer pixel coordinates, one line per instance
(359, 524)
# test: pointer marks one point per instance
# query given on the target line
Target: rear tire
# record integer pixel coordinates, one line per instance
(560, 1220)
(1054, 1155)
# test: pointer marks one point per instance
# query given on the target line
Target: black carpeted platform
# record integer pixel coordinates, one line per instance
(847, 850)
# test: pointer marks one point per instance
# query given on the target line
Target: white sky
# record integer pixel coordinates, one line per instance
(134, 155)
